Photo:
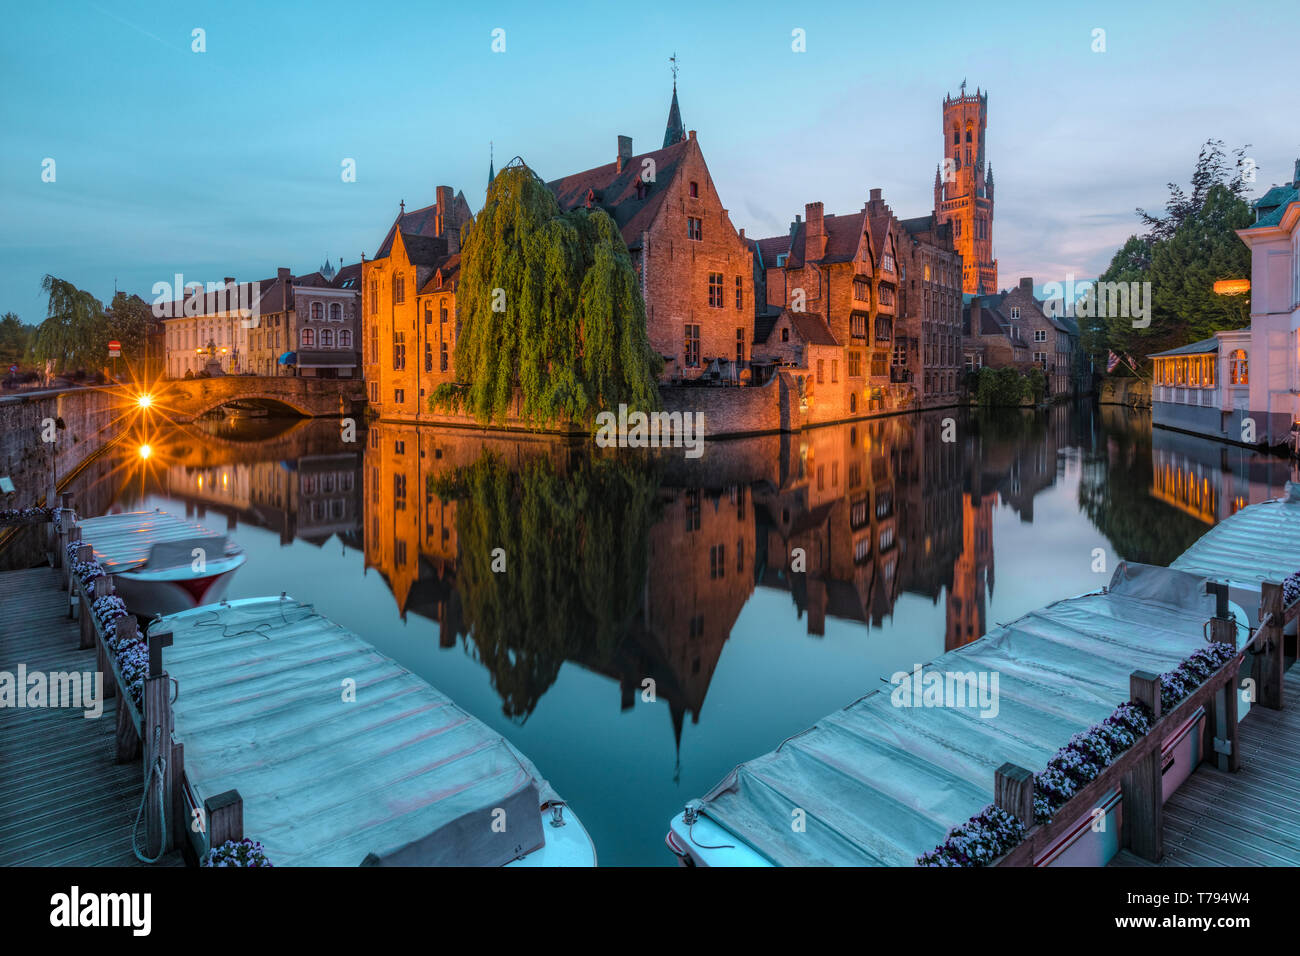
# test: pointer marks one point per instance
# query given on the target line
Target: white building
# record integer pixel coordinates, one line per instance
(1244, 385)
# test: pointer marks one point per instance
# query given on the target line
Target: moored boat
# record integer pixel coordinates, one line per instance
(882, 781)
(162, 564)
(343, 757)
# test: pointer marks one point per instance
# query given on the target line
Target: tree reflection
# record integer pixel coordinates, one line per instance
(573, 545)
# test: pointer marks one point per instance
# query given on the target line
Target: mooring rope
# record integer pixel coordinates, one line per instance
(159, 770)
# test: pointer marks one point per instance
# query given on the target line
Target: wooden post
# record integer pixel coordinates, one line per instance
(74, 534)
(102, 584)
(178, 814)
(1013, 791)
(84, 553)
(157, 745)
(1268, 664)
(1142, 787)
(225, 816)
(61, 537)
(127, 740)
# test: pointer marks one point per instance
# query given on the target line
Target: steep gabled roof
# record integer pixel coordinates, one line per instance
(808, 326)
(615, 191)
(348, 277)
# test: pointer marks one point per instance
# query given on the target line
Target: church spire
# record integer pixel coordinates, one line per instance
(491, 164)
(675, 132)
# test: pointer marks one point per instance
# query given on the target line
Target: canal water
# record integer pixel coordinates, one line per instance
(638, 624)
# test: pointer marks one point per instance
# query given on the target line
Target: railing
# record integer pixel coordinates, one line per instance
(1136, 773)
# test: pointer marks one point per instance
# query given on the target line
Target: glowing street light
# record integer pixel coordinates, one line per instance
(144, 400)
(145, 451)
(1232, 286)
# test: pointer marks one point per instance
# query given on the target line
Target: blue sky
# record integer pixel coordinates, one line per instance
(228, 162)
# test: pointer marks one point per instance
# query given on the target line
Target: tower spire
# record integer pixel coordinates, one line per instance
(674, 132)
(491, 163)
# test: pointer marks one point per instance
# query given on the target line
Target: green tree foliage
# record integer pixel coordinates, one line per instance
(1182, 254)
(576, 551)
(1036, 384)
(15, 340)
(75, 335)
(572, 336)
(129, 321)
(1001, 387)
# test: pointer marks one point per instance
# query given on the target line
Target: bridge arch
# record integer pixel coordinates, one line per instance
(187, 399)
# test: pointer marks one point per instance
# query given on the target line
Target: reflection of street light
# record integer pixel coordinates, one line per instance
(1232, 286)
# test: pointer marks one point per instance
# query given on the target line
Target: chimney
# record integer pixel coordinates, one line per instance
(815, 243)
(230, 280)
(1027, 284)
(624, 153)
(444, 200)
(875, 195)
(794, 226)
(285, 278)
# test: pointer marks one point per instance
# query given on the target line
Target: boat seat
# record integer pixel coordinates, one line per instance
(174, 554)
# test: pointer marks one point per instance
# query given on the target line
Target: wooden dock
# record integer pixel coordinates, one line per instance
(64, 801)
(1247, 818)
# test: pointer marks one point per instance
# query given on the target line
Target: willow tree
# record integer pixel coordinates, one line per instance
(75, 335)
(550, 304)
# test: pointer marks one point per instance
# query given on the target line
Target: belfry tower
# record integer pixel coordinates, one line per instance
(963, 189)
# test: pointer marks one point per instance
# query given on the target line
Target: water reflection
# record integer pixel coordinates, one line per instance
(775, 579)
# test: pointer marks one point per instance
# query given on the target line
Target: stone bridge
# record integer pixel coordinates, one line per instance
(184, 400)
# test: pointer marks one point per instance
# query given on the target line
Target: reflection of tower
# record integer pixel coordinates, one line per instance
(972, 573)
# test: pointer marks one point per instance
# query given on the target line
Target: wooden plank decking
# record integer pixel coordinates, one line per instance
(63, 799)
(1248, 818)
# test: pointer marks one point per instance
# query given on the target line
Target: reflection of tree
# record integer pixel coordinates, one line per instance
(1115, 494)
(575, 545)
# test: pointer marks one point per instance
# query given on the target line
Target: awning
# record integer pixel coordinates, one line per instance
(337, 359)
(288, 358)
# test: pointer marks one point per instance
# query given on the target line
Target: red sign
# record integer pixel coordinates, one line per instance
(114, 345)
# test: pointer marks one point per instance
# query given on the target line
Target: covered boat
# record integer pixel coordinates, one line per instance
(343, 757)
(162, 564)
(884, 780)
(1259, 543)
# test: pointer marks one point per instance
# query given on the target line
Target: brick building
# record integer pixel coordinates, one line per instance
(963, 189)
(927, 343)
(848, 272)
(696, 272)
(409, 307)
(1012, 328)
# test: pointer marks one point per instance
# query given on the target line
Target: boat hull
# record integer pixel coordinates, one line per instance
(172, 590)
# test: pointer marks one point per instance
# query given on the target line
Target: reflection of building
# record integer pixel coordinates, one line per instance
(1210, 481)
(309, 498)
(972, 575)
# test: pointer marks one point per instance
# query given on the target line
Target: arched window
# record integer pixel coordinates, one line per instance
(345, 339)
(1239, 368)
(317, 311)
(956, 135)
(327, 338)
(968, 132)
(336, 312)
(308, 338)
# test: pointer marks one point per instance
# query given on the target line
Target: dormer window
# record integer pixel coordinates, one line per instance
(780, 259)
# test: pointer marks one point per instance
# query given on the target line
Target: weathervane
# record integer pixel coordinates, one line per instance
(673, 60)
(963, 86)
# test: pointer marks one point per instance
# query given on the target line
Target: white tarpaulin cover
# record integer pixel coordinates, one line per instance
(124, 541)
(880, 783)
(400, 771)
(1259, 543)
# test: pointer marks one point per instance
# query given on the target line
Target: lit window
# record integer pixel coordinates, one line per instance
(1239, 368)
